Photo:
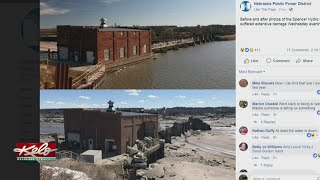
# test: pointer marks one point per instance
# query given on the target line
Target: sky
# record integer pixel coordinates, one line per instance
(53, 99)
(136, 12)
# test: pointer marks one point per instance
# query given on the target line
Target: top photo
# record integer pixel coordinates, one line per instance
(137, 44)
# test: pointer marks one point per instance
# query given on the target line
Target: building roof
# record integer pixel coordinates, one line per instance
(123, 113)
(120, 29)
(134, 114)
(106, 28)
(92, 152)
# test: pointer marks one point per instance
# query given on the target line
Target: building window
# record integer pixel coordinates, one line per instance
(106, 54)
(134, 52)
(63, 53)
(121, 52)
(144, 49)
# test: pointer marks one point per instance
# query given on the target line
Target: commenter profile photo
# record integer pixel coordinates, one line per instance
(243, 177)
(243, 130)
(243, 83)
(243, 146)
(243, 104)
(243, 171)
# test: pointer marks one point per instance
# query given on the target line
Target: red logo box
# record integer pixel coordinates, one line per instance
(35, 151)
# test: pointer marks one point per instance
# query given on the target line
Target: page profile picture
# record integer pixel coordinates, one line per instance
(245, 6)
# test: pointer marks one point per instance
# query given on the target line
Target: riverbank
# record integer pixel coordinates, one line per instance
(198, 155)
(225, 38)
(185, 159)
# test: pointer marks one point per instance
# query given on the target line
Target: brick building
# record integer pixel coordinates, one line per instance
(108, 130)
(110, 45)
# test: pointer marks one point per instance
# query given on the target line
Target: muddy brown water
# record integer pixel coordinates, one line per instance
(206, 66)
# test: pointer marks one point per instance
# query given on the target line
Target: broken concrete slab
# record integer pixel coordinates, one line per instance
(132, 151)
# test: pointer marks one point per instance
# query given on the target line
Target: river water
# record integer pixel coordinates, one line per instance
(206, 66)
(50, 127)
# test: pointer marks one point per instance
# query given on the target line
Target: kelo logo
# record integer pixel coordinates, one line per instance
(245, 6)
(35, 151)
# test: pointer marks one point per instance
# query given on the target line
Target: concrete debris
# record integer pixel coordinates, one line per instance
(177, 145)
(172, 147)
(162, 141)
(148, 140)
(184, 128)
(141, 145)
(140, 165)
(140, 173)
(152, 173)
(132, 151)
(139, 158)
(146, 143)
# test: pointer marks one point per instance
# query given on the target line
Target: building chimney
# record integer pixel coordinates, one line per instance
(103, 23)
(110, 108)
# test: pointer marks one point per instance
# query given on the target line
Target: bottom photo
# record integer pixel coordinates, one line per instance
(139, 134)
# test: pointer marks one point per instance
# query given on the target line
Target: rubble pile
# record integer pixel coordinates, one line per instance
(183, 127)
(143, 153)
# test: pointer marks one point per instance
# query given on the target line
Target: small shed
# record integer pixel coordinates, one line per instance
(91, 156)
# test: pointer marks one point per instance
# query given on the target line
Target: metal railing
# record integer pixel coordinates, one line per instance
(52, 55)
(67, 154)
(91, 70)
(47, 62)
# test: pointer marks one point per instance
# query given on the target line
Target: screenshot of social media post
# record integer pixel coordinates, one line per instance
(278, 92)
(164, 89)
(138, 89)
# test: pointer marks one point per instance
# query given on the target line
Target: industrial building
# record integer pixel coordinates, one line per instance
(113, 46)
(108, 130)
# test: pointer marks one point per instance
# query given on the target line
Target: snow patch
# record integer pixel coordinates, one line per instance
(77, 175)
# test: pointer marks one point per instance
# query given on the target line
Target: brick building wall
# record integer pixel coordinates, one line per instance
(94, 125)
(132, 124)
(145, 39)
(109, 41)
(78, 40)
(105, 41)
(99, 126)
